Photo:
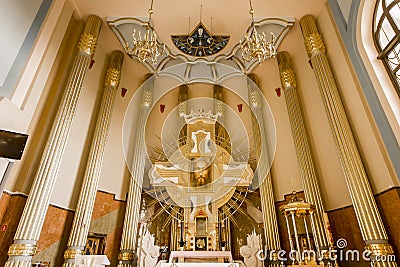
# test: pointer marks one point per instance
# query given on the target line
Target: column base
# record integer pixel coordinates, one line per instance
(126, 259)
(382, 254)
(19, 261)
(20, 253)
(70, 255)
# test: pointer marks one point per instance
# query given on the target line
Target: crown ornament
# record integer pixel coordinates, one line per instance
(206, 117)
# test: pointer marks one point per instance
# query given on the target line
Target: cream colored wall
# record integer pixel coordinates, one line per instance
(383, 86)
(378, 167)
(115, 174)
(73, 164)
(27, 101)
(285, 167)
(16, 18)
(332, 182)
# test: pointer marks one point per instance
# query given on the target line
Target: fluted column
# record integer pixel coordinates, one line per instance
(83, 214)
(222, 136)
(368, 217)
(32, 219)
(182, 109)
(126, 256)
(266, 191)
(303, 152)
(218, 105)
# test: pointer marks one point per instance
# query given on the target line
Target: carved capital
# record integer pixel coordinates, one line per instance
(312, 39)
(288, 79)
(88, 41)
(286, 71)
(113, 75)
(314, 44)
(22, 250)
(254, 98)
(147, 97)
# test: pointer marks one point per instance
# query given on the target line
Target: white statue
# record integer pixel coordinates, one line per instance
(91, 260)
(149, 252)
(249, 251)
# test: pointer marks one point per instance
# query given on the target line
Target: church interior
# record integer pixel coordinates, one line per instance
(241, 133)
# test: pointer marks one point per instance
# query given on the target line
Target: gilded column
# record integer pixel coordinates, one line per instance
(303, 152)
(83, 214)
(266, 191)
(182, 110)
(32, 219)
(368, 217)
(222, 136)
(126, 256)
(218, 105)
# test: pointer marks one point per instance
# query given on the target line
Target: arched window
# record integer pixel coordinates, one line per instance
(386, 29)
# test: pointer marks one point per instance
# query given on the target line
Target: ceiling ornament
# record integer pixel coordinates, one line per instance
(215, 68)
(200, 42)
(255, 45)
(146, 47)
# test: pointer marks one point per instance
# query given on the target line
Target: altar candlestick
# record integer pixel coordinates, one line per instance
(181, 231)
(220, 232)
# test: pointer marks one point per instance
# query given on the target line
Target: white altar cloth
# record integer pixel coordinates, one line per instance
(201, 254)
(190, 264)
(91, 260)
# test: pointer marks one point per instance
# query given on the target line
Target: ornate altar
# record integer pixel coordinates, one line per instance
(200, 177)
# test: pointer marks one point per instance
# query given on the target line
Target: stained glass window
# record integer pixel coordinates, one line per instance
(386, 29)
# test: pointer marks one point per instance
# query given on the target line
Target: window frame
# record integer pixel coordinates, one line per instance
(383, 52)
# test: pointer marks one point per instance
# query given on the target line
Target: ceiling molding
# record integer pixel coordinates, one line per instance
(213, 68)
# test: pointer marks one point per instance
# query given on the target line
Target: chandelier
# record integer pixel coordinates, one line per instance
(255, 45)
(145, 48)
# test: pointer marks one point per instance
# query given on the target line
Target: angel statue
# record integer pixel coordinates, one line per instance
(249, 251)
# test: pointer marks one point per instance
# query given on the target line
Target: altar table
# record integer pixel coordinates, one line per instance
(220, 256)
(190, 264)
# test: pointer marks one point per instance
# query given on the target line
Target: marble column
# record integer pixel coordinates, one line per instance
(368, 217)
(24, 247)
(83, 214)
(303, 152)
(126, 256)
(266, 191)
